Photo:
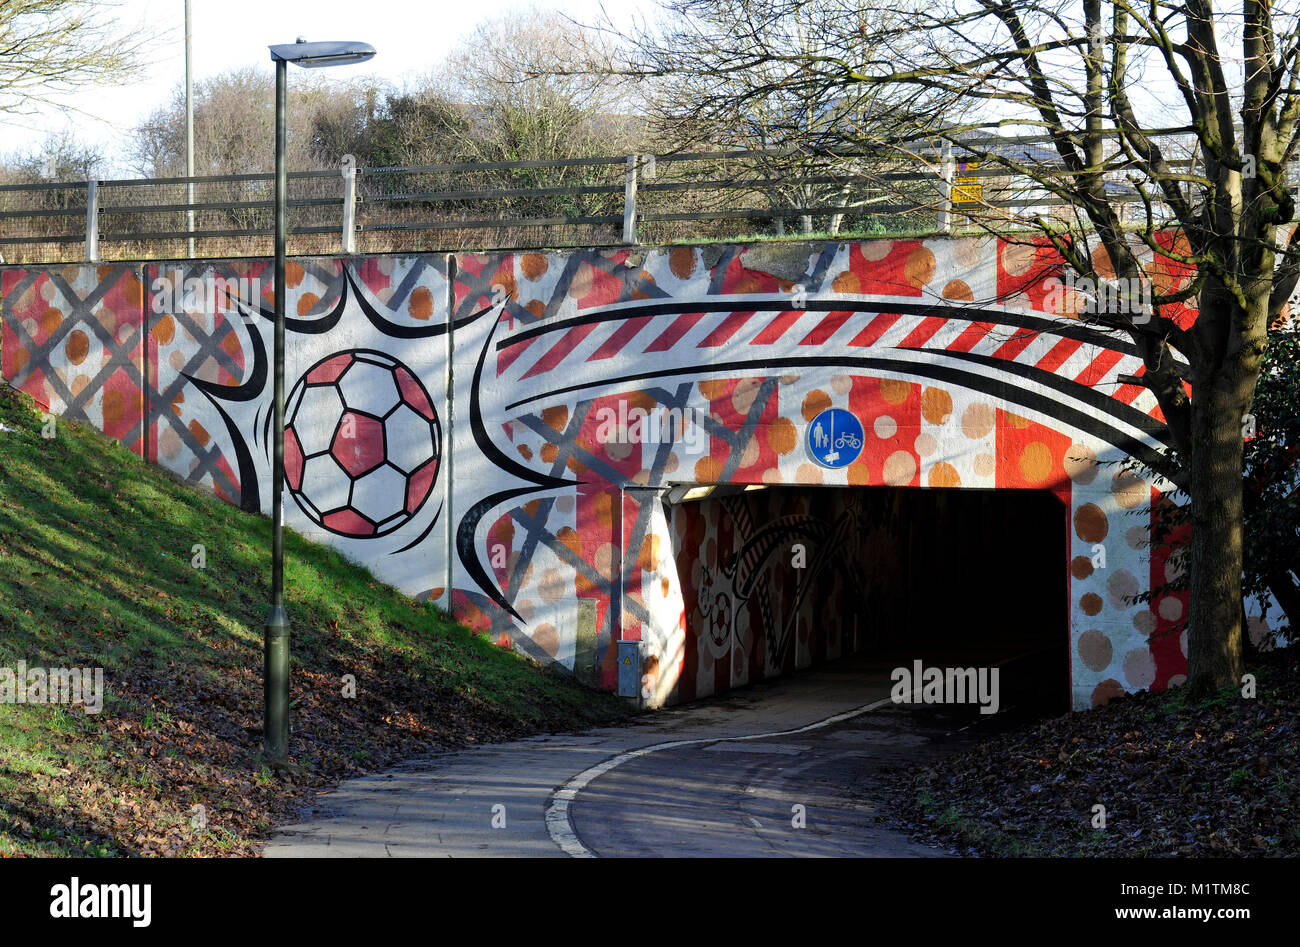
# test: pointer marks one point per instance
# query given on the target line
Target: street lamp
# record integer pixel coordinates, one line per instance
(275, 679)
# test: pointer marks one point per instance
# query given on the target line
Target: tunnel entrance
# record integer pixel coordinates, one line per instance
(775, 579)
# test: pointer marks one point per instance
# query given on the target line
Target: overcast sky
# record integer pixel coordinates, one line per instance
(410, 36)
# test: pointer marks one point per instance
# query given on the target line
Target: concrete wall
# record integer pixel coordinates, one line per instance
(942, 349)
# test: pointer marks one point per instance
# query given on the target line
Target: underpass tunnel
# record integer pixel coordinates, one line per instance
(775, 579)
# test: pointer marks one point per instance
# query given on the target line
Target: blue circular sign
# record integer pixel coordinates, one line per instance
(835, 438)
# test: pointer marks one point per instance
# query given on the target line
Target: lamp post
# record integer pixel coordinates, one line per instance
(189, 137)
(275, 679)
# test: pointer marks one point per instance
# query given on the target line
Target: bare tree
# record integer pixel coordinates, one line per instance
(59, 158)
(527, 79)
(50, 47)
(234, 125)
(733, 74)
(1099, 80)
(234, 134)
(529, 93)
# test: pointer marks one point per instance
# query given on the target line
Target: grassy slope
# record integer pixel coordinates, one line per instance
(95, 570)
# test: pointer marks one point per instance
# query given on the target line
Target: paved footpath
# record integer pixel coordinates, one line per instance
(614, 792)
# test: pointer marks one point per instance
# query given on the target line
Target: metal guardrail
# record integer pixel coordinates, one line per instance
(603, 200)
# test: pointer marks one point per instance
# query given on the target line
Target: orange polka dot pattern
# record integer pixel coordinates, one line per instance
(73, 340)
(589, 357)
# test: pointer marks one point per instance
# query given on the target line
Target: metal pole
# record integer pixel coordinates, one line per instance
(945, 188)
(275, 733)
(92, 221)
(629, 201)
(189, 138)
(349, 169)
(448, 450)
(617, 587)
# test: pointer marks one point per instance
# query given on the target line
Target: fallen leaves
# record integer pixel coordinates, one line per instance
(1221, 777)
(182, 738)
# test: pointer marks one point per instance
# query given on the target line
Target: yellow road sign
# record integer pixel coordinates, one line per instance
(966, 188)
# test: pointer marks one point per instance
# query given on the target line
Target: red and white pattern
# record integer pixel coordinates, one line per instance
(944, 349)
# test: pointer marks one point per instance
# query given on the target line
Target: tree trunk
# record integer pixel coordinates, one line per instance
(1215, 628)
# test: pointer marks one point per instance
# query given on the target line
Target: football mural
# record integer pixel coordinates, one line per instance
(517, 436)
(361, 444)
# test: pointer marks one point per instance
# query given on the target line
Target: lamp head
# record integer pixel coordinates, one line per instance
(318, 55)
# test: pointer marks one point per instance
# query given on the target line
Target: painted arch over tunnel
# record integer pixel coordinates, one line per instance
(535, 407)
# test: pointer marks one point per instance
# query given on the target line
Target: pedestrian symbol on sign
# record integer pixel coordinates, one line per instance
(835, 438)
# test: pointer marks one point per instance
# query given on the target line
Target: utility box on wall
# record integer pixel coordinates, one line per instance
(629, 669)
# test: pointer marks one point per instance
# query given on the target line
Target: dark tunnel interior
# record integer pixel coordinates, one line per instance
(952, 577)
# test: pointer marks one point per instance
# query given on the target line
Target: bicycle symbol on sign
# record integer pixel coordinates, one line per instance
(835, 438)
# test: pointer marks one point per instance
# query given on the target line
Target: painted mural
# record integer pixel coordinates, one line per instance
(71, 337)
(773, 580)
(526, 412)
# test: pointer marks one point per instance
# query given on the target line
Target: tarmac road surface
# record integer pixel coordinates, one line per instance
(775, 769)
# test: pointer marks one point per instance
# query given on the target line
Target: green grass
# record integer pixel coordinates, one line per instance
(977, 834)
(95, 571)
